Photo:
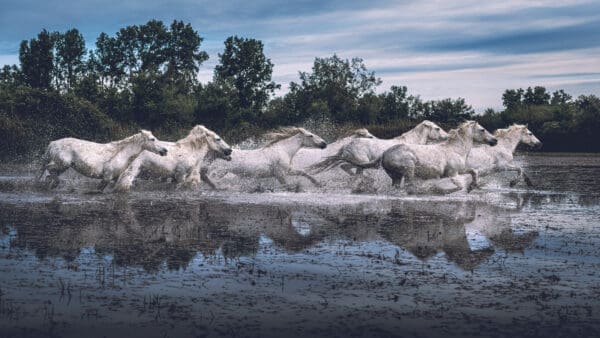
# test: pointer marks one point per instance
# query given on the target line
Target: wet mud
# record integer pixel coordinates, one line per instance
(165, 263)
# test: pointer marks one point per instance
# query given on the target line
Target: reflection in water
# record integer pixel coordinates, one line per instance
(148, 233)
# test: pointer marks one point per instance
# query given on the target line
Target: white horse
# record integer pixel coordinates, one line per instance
(486, 160)
(309, 156)
(434, 161)
(275, 158)
(182, 160)
(97, 160)
(364, 153)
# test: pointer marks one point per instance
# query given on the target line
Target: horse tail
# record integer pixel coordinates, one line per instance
(337, 159)
(328, 163)
(376, 163)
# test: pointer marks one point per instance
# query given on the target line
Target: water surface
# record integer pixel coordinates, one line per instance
(163, 263)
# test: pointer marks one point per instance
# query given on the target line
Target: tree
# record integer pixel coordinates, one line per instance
(339, 83)
(70, 49)
(110, 60)
(152, 42)
(244, 66)
(36, 57)
(183, 53)
(536, 96)
(559, 97)
(395, 104)
(512, 98)
(11, 76)
(449, 111)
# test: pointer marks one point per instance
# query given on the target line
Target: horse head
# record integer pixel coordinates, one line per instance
(433, 131)
(148, 142)
(528, 138)
(478, 133)
(361, 133)
(310, 140)
(215, 143)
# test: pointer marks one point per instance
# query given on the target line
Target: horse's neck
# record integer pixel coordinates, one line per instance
(413, 136)
(509, 141)
(126, 150)
(201, 153)
(289, 146)
(460, 144)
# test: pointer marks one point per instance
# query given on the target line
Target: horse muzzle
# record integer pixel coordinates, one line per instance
(322, 145)
(493, 142)
(162, 152)
(227, 151)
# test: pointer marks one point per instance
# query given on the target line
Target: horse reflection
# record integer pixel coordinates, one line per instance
(149, 234)
(426, 229)
(152, 234)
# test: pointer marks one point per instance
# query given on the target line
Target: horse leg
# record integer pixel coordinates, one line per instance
(519, 170)
(281, 178)
(126, 178)
(297, 172)
(54, 171)
(527, 180)
(205, 178)
(347, 167)
(474, 180)
(457, 183)
(103, 184)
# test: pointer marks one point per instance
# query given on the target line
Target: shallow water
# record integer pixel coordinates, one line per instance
(167, 263)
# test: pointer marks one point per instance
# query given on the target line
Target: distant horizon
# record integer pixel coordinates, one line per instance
(466, 49)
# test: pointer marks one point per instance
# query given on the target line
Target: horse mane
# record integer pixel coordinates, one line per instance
(503, 132)
(196, 138)
(281, 134)
(453, 134)
(412, 130)
(356, 132)
(128, 139)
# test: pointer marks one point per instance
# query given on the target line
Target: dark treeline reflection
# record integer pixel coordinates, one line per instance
(149, 233)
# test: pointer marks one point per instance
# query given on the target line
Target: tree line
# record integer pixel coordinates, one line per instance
(146, 76)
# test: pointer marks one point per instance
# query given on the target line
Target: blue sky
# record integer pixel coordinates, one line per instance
(466, 48)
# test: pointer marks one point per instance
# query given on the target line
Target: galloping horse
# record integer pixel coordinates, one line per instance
(97, 160)
(434, 161)
(309, 156)
(183, 158)
(486, 160)
(275, 158)
(365, 153)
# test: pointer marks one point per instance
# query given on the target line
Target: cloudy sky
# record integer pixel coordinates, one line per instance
(471, 49)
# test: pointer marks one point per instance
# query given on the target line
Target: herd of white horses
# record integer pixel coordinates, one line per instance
(424, 153)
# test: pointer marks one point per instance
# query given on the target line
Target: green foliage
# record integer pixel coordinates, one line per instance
(146, 76)
(337, 82)
(70, 50)
(33, 117)
(36, 58)
(244, 66)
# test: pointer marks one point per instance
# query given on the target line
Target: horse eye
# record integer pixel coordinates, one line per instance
(437, 129)
(152, 139)
(310, 135)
